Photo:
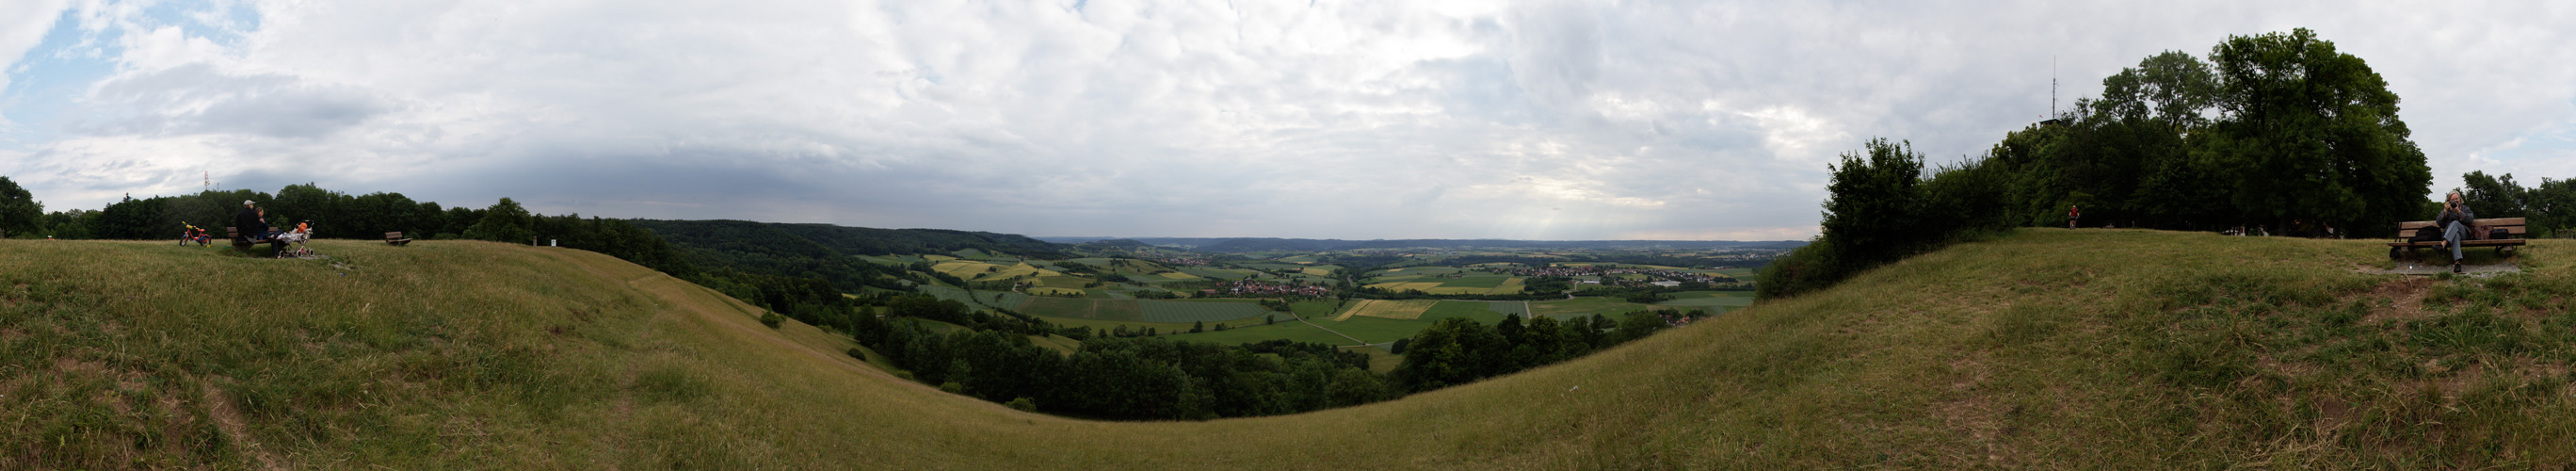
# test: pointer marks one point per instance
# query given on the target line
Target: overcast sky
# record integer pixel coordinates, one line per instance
(1329, 119)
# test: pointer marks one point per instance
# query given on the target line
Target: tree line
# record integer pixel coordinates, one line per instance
(2276, 131)
(1459, 350)
(1116, 377)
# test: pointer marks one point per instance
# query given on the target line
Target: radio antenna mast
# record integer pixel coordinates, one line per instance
(2052, 86)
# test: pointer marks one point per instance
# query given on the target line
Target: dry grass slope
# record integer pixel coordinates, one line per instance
(2055, 349)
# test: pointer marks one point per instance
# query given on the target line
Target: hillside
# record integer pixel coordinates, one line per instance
(2044, 348)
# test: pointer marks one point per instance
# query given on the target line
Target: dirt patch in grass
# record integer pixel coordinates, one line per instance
(229, 420)
(2404, 300)
(1975, 412)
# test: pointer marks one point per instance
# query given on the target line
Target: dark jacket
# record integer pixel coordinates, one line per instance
(2463, 216)
(249, 223)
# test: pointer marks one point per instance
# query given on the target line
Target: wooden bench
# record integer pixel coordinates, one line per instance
(396, 238)
(244, 243)
(2504, 247)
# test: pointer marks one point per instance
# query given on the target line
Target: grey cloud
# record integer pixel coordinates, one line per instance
(1364, 119)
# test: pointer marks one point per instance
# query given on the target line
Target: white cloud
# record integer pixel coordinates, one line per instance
(1541, 119)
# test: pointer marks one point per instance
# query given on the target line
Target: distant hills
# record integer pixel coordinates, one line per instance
(813, 240)
(1264, 244)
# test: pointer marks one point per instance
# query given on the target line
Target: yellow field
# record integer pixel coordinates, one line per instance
(1179, 276)
(1316, 272)
(1405, 310)
(1423, 287)
(1511, 286)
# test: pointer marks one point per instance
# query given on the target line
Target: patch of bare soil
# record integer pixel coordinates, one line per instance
(1974, 413)
(229, 420)
(2404, 300)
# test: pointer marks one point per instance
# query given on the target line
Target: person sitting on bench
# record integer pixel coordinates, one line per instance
(2455, 221)
(252, 222)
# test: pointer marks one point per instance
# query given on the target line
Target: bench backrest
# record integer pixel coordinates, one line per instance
(393, 235)
(2510, 225)
(232, 232)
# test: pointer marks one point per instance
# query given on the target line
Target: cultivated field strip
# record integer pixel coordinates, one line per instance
(1187, 311)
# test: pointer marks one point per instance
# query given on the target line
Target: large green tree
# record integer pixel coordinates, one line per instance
(1874, 206)
(505, 221)
(19, 210)
(2310, 133)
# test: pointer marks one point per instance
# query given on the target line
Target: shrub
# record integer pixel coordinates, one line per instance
(771, 319)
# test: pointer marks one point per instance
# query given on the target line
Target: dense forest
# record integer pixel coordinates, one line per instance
(2276, 133)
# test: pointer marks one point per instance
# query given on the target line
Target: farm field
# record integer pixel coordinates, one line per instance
(1104, 327)
(1375, 330)
(1058, 343)
(1153, 310)
(1585, 306)
(1218, 273)
(1255, 331)
(1386, 309)
(1078, 308)
(1480, 311)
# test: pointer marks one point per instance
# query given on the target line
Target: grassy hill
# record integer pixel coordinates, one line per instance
(2043, 348)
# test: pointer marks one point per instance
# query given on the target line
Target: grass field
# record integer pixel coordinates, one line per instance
(1384, 309)
(1057, 291)
(2042, 348)
(1478, 310)
(1402, 287)
(1079, 308)
(1475, 281)
(1252, 330)
(1218, 273)
(1197, 310)
(1375, 329)
(1585, 306)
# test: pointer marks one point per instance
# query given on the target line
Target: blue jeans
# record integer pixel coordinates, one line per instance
(2453, 235)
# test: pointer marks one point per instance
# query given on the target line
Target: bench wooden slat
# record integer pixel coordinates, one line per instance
(2464, 243)
(2514, 223)
(2515, 230)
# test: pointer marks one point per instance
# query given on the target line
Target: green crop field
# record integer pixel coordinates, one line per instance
(1252, 330)
(1479, 310)
(1483, 282)
(1374, 329)
(1269, 266)
(1708, 302)
(1585, 306)
(1196, 311)
(1316, 308)
(1218, 273)
(1078, 308)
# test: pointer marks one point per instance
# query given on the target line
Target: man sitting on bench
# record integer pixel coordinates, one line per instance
(2456, 223)
(252, 221)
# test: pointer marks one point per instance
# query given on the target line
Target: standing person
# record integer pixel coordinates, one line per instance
(2071, 213)
(2455, 221)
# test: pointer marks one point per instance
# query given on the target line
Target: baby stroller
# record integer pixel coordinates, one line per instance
(303, 232)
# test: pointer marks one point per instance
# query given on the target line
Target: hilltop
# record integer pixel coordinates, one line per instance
(2040, 348)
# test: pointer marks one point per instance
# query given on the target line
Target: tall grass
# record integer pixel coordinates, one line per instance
(2048, 349)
